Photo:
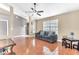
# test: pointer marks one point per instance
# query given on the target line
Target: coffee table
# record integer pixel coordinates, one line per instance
(6, 45)
(71, 41)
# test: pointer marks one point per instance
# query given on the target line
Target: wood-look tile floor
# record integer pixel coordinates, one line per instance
(24, 46)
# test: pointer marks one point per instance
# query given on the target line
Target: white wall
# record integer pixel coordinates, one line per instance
(18, 26)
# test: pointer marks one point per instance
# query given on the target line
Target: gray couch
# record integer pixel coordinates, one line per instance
(47, 36)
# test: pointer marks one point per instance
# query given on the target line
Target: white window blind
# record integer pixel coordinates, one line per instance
(51, 25)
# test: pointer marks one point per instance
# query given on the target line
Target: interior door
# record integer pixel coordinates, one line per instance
(27, 29)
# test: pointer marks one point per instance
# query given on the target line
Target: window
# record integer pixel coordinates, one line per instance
(3, 27)
(51, 25)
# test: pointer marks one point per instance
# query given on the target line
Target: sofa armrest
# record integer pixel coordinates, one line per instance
(37, 34)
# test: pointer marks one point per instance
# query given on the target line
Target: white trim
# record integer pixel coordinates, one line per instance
(59, 40)
(3, 6)
(22, 36)
(7, 28)
(3, 20)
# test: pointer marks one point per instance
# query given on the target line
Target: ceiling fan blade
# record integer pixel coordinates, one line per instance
(38, 14)
(40, 11)
(32, 9)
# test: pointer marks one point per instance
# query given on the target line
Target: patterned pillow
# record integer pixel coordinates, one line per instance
(50, 33)
(46, 33)
(41, 33)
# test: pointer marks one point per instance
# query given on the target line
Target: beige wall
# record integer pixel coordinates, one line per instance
(39, 25)
(68, 22)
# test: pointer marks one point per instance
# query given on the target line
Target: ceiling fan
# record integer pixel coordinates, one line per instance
(36, 11)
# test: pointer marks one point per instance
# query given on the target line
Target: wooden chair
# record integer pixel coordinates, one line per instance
(68, 44)
(63, 42)
(75, 44)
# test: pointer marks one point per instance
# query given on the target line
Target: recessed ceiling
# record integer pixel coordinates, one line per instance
(50, 9)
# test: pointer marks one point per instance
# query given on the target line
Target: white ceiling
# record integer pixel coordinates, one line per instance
(50, 9)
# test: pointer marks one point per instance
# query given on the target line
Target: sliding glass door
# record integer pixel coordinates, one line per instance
(3, 28)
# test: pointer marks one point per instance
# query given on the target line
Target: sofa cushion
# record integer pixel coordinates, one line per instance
(50, 33)
(46, 33)
(41, 33)
(46, 37)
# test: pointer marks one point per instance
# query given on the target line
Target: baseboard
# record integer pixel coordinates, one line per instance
(22, 36)
(59, 40)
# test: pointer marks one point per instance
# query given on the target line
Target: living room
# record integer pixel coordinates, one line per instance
(67, 23)
(24, 26)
